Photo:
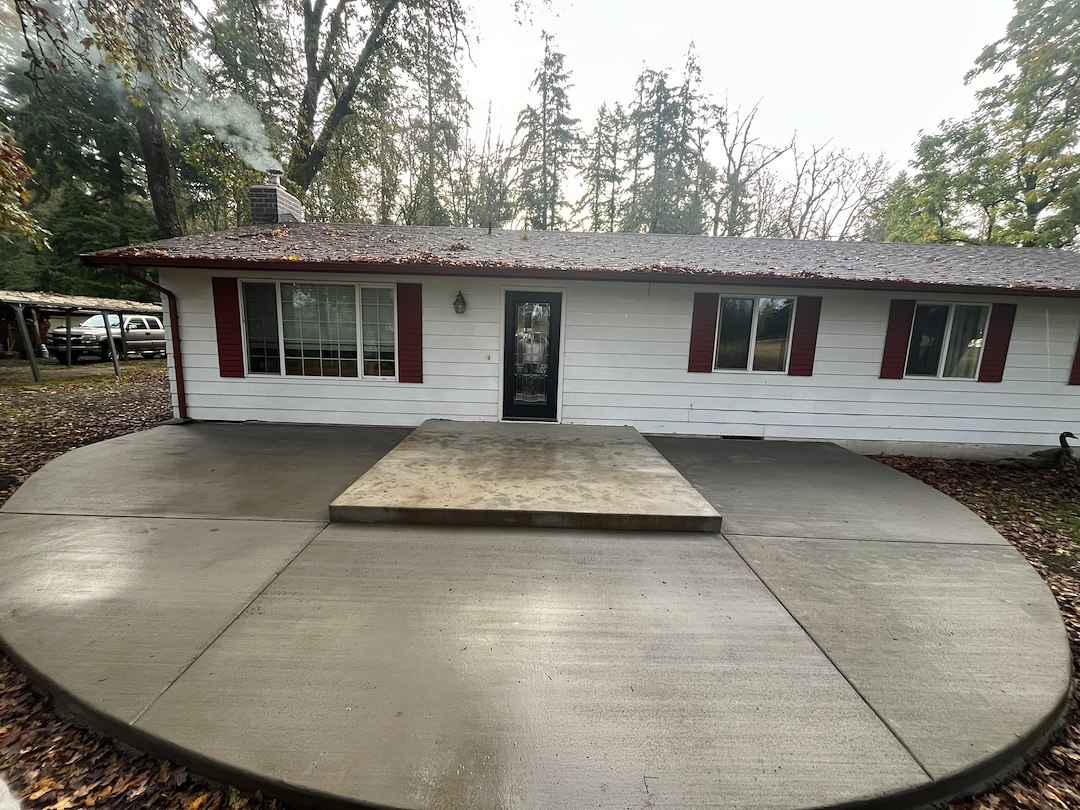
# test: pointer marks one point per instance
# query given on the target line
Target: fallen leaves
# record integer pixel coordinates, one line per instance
(40, 422)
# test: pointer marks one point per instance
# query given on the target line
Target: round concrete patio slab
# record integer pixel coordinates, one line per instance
(853, 639)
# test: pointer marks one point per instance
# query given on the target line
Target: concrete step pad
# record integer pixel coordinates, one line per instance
(526, 475)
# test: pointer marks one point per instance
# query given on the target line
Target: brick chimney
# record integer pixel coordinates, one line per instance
(272, 204)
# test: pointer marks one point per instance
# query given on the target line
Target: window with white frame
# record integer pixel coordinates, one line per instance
(306, 329)
(753, 333)
(946, 340)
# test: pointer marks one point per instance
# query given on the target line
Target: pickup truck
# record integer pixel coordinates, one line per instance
(140, 333)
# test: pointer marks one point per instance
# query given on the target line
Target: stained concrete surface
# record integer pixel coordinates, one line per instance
(114, 609)
(816, 489)
(422, 667)
(433, 666)
(252, 470)
(926, 631)
(538, 475)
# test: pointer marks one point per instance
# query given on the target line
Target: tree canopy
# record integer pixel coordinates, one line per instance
(127, 121)
(1009, 173)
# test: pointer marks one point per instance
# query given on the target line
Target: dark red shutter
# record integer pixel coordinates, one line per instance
(804, 336)
(703, 332)
(410, 324)
(230, 345)
(996, 347)
(1074, 375)
(897, 337)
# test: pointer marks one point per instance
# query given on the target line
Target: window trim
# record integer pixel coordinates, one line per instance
(281, 330)
(952, 305)
(753, 334)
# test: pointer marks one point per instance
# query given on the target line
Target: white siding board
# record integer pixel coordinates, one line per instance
(624, 360)
(255, 394)
(358, 405)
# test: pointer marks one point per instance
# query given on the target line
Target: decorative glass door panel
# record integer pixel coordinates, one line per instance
(531, 355)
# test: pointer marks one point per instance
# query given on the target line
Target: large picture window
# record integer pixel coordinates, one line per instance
(946, 340)
(304, 329)
(754, 334)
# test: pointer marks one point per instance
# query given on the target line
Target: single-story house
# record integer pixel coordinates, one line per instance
(918, 348)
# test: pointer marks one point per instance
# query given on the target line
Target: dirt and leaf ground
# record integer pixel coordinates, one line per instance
(53, 764)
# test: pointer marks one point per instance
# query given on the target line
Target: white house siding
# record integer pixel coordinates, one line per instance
(624, 362)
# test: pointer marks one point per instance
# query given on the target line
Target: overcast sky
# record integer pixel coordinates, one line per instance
(867, 74)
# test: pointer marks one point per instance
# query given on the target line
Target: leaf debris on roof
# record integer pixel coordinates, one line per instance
(458, 250)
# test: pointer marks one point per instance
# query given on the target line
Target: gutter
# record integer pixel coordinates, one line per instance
(174, 328)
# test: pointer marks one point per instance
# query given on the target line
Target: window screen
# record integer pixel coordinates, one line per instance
(377, 316)
(773, 331)
(965, 341)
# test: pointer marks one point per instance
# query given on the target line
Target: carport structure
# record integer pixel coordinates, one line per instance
(46, 303)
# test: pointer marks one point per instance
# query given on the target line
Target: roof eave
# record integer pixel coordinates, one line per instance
(480, 271)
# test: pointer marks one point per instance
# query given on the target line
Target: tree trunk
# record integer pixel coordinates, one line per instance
(309, 151)
(159, 177)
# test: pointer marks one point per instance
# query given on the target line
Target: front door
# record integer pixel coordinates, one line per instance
(531, 355)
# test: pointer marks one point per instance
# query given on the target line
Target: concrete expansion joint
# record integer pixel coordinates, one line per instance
(892, 730)
(225, 629)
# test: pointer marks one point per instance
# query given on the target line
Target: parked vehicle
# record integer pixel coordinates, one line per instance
(130, 333)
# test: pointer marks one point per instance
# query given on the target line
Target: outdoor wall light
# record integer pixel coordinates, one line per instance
(460, 304)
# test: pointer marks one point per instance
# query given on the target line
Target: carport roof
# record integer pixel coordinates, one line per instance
(656, 257)
(75, 303)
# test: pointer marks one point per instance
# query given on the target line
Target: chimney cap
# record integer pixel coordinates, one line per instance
(273, 176)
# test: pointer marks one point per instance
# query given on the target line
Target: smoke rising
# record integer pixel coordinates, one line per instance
(231, 120)
(234, 123)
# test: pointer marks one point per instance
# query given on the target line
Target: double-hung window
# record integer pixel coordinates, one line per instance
(946, 340)
(753, 333)
(304, 329)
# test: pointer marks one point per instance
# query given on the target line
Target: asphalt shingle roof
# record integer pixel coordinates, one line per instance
(458, 251)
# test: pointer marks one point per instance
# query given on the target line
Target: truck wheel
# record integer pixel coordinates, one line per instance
(149, 355)
(61, 358)
(106, 350)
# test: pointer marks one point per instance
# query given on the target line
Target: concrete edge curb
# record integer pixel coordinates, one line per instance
(517, 519)
(984, 774)
(973, 779)
(88, 716)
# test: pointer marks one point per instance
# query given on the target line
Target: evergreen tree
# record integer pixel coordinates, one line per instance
(548, 145)
(88, 184)
(601, 163)
(669, 175)
(434, 128)
(491, 202)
